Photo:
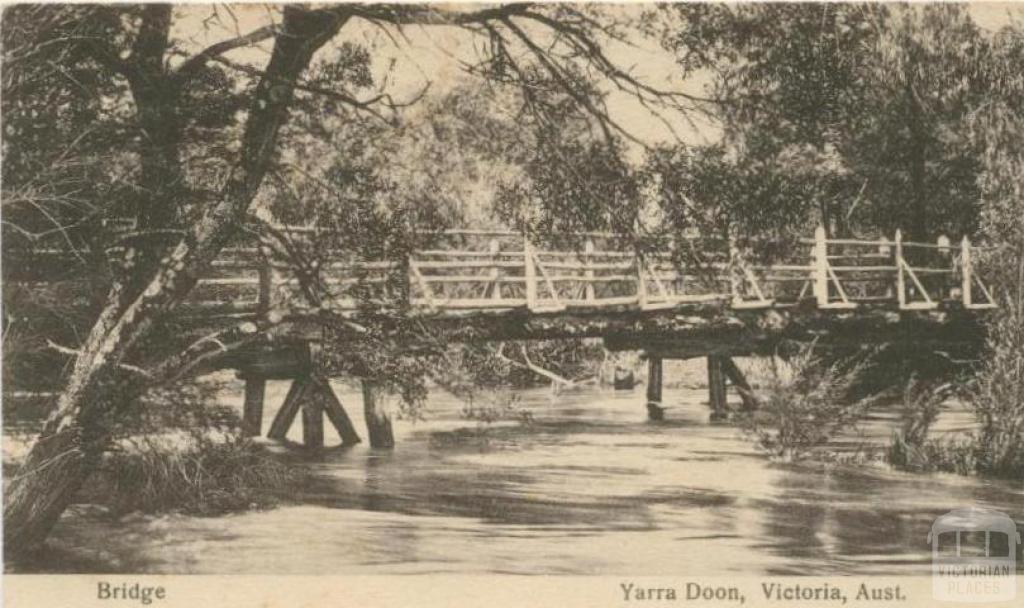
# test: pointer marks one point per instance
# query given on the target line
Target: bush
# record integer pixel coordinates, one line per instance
(920, 407)
(179, 450)
(204, 476)
(997, 393)
(804, 403)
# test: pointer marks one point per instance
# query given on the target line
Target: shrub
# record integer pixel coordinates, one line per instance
(179, 450)
(920, 406)
(997, 392)
(194, 474)
(804, 403)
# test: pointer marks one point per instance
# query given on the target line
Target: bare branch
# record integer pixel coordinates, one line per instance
(197, 61)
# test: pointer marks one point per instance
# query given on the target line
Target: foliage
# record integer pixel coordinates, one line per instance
(920, 406)
(852, 115)
(193, 474)
(461, 159)
(997, 394)
(804, 403)
(180, 450)
(496, 408)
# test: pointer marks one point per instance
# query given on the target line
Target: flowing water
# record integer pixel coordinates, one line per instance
(587, 487)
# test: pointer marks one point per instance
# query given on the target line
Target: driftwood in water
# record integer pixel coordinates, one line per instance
(623, 380)
(557, 382)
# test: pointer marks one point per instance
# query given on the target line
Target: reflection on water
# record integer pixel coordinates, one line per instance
(589, 487)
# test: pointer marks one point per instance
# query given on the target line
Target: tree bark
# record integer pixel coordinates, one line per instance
(76, 434)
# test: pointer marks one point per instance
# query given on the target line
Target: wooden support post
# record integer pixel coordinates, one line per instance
(252, 412)
(289, 409)
(495, 247)
(641, 282)
(312, 418)
(312, 394)
(965, 266)
(266, 280)
(901, 283)
(940, 284)
(739, 380)
(716, 388)
(820, 260)
(655, 411)
(588, 260)
(530, 274)
(378, 423)
(335, 412)
(735, 295)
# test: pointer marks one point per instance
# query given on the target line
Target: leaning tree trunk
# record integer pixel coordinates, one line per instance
(99, 387)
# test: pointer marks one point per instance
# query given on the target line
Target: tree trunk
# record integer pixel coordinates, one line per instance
(75, 435)
(42, 488)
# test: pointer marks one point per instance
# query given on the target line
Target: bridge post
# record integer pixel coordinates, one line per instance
(965, 265)
(530, 273)
(737, 379)
(378, 423)
(312, 394)
(654, 378)
(588, 257)
(495, 247)
(820, 260)
(335, 412)
(901, 282)
(286, 414)
(716, 388)
(312, 418)
(641, 283)
(256, 386)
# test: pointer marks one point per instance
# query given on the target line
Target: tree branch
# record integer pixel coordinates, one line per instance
(192, 65)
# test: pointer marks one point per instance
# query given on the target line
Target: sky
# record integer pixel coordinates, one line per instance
(409, 60)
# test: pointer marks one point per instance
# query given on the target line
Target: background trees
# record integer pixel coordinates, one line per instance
(862, 110)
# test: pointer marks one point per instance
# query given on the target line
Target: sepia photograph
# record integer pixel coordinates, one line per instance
(715, 303)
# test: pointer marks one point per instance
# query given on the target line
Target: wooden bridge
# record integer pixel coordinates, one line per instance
(677, 298)
(672, 298)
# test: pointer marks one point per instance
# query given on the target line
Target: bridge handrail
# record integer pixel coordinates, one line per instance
(836, 273)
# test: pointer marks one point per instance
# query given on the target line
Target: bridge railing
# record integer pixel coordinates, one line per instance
(487, 270)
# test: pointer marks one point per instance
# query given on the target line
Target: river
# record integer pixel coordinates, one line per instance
(587, 487)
